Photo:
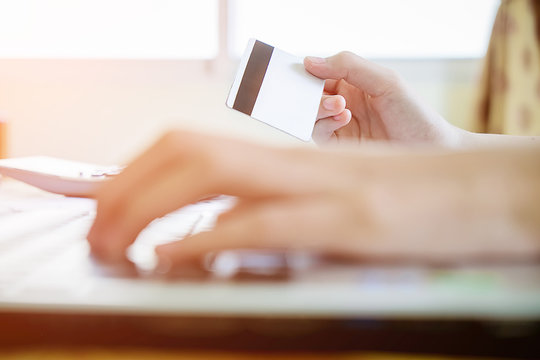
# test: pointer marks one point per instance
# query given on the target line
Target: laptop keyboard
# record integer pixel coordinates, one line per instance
(28, 254)
(44, 236)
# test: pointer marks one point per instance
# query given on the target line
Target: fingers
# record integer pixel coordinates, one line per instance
(280, 224)
(324, 130)
(114, 230)
(332, 116)
(183, 168)
(146, 189)
(111, 235)
(142, 170)
(366, 75)
(331, 105)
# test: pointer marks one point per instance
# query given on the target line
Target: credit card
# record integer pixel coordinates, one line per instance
(272, 86)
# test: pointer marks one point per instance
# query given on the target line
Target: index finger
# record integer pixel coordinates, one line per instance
(169, 176)
(143, 191)
(376, 80)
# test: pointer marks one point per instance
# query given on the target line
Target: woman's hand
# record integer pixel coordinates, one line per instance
(377, 203)
(381, 106)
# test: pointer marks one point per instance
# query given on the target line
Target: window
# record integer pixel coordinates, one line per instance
(109, 29)
(372, 28)
(192, 29)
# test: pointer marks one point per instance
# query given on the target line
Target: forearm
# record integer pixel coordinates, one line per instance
(464, 205)
(507, 196)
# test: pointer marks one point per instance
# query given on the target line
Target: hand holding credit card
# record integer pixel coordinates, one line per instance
(272, 86)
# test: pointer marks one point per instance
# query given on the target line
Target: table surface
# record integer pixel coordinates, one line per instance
(84, 353)
(105, 354)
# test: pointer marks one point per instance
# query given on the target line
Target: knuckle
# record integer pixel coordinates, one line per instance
(393, 77)
(171, 139)
(342, 86)
(346, 59)
(347, 63)
(180, 145)
(346, 55)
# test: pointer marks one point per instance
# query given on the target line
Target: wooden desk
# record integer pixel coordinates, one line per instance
(117, 339)
(106, 354)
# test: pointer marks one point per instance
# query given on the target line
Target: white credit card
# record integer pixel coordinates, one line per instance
(272, 86)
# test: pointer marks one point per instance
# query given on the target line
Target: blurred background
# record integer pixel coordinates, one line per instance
(99, 80)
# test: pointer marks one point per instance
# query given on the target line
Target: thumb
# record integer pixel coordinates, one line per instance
(374, 79)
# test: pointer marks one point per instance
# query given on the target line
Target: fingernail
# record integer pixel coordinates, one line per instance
(329, 103)
(343, 116)
(316, 60)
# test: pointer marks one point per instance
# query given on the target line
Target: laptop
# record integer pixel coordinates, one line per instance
(52, 293)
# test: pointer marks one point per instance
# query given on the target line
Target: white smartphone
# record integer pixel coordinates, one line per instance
(70, 178)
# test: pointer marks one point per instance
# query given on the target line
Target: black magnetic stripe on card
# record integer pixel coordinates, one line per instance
(253, 77)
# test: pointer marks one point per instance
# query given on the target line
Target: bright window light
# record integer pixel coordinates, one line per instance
(371, 28)
(108, 29)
